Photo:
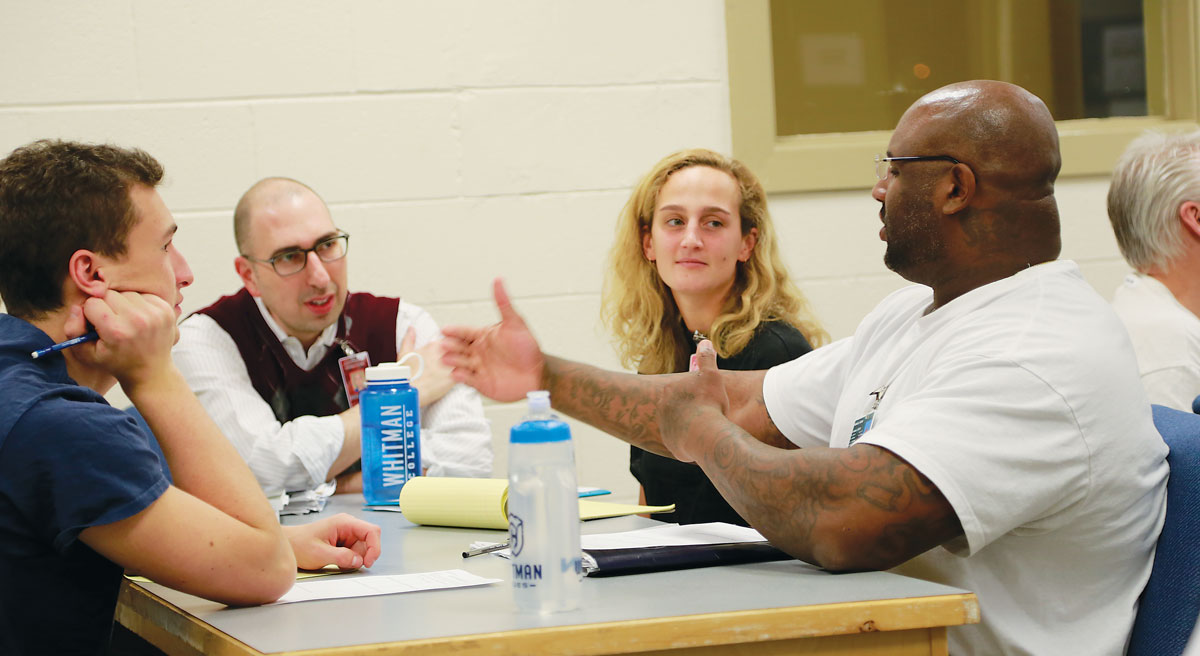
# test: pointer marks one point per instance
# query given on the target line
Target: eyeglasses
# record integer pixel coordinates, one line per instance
(289, 263)
(881, 162)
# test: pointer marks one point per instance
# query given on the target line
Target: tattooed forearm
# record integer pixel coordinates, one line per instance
(844, 509)
(623, 405)
(626, 405)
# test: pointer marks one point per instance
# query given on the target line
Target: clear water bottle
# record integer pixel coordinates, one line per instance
(543, 511)
(391, 433)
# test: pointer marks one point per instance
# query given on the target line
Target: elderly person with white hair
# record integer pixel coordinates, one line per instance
(1154, 207)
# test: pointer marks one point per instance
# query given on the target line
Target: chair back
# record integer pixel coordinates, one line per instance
(1171, 601)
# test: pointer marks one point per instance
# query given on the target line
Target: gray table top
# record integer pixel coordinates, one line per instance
(408, 548)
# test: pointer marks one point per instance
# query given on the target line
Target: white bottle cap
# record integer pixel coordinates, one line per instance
(539, 401)
(388, 371)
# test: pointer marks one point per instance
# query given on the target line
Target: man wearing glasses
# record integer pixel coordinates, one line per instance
(984, 427)
(274, 363)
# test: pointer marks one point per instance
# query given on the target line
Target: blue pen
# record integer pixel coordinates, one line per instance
(90, 337)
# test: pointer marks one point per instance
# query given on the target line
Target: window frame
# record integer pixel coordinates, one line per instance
(819, 162)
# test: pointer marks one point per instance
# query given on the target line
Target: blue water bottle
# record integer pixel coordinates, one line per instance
(391, 433)
(543, 512)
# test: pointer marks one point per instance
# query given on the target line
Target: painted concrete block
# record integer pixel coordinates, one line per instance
(841, 303)
(408, 44)
(229, 49)
(548, 43)
(362, 149)
(517, 141)
(52, 53)
(205, 149)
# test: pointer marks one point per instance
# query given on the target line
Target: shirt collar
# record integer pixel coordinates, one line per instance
(292, 345)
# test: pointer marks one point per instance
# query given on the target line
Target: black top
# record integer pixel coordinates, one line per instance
(684, 484)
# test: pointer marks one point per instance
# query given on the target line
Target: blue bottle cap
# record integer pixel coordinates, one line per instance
(540, 430)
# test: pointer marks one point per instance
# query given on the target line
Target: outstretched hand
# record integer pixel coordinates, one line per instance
(694, 403)
(341, 540)
(502, 361)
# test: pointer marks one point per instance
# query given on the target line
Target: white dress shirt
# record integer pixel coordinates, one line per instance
(456, 439)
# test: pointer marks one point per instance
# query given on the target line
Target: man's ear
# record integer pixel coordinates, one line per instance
(1189, 216)
(245, 271)
(959, 189)
(85, 270)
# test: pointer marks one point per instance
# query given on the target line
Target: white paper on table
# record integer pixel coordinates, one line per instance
(366, 586)
(661, 536)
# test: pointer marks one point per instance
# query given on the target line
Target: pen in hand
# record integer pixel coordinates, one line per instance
(89, 337)
(482, 550)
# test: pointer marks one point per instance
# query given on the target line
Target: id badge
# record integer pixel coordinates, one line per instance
(863, 423)
(354, 374)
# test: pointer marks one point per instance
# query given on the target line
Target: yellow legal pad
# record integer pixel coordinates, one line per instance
(483, 503)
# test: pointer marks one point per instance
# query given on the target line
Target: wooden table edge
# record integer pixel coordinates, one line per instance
(178, 632)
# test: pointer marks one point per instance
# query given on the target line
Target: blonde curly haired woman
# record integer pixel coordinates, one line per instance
(696, 258)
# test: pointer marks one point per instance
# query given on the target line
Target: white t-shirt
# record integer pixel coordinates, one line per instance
(1166, 338)
(1020, 401)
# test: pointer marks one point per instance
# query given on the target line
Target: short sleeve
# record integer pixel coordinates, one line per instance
(67, 465)
(1001, 470)
(802, 395)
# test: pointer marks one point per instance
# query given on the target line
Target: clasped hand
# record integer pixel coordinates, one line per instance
(692, 406)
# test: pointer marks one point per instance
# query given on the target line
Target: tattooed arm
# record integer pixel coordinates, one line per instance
(626, 405)
(504, 362)
(843, 509)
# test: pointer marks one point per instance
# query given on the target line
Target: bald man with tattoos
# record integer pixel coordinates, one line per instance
(983, 428)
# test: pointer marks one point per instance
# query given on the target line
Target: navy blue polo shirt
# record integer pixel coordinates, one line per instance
(68, 461)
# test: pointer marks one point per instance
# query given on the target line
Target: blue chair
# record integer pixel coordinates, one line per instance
(1171, 601)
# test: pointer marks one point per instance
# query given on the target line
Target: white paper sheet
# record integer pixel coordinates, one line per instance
(366, 586)
(672, 535)
(661, 536)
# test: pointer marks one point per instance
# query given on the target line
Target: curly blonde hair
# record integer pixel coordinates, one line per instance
(639, 307)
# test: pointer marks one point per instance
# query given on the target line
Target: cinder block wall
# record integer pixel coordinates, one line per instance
(455, 140)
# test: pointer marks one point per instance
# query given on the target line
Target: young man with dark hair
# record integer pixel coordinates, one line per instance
(86, 243)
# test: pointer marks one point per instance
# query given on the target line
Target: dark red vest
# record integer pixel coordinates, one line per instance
(367, 323)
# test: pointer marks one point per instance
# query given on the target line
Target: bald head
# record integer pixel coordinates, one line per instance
(1005, 134)
(985, 216)
(265, 195)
